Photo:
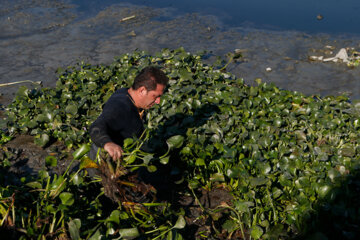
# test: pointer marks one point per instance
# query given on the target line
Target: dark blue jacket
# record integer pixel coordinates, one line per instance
(119, 120)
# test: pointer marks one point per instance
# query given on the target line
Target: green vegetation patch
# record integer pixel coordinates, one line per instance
(282, 155)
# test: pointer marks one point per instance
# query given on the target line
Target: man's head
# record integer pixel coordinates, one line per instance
(148, 86)
(149, 77)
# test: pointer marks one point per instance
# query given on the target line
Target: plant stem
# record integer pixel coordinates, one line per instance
(197, 200)
(155, 230)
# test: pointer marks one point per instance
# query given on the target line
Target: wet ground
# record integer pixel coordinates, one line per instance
(40, 36)
(27, 158)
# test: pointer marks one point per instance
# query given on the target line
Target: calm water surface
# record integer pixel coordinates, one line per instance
(338, 16)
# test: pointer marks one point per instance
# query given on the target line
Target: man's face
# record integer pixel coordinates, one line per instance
(152, 97)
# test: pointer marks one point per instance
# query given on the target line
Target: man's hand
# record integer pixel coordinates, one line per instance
(114, 150)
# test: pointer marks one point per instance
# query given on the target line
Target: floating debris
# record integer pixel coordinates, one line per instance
(341, 55)
(352, 59)
(316, 58)
(127, 18)
(319, 17)
(25, 81)
(132, 34)
(330, 47)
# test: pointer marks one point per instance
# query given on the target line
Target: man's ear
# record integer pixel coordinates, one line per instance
(142, 91)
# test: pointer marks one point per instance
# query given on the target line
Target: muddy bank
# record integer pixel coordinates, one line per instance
(27, 159)
(42, 36)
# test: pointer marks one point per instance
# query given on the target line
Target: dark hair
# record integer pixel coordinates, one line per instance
(149, 77)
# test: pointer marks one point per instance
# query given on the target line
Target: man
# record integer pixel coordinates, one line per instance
(121, 117)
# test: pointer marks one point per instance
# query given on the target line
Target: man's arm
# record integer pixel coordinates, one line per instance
(114, 150)
(98, 134)
(108, 122)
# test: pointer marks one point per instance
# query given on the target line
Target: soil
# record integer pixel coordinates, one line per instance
(27, 158)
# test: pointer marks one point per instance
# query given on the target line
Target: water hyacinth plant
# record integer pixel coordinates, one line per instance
(286, 158)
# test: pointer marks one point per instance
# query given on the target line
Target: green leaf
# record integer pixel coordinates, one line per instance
(180, 223)
(242, 206)
(50, 208)
(229, 225)
(175, 141)
(114, 216)
(71, 109)
(77, 180)
(129, 233)
(200, 162)
(81, 151)
(148, 158)
(74, 228)
(57, 186)
(42, 139)
(347, 152)
(128, 142)
(186, 150)
(256, 232)
(235, 172)
(185, 74)
(44, 117)
(96, 236)
(43, 174)
(254, 182)
(35, 185)
(151, 168)
(51, 161)
(324, 190)
(275, 232)
(86, 162)
(174, 235)
(130, 159)
(193, 183)
(165, 160)
(217, 177)
(333, 174)
(67, 198)
(22, 92)
(110, 231)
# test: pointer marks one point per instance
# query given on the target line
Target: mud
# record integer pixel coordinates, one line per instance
(27, 158)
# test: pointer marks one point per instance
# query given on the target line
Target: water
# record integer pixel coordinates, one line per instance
(338, 16)
(39, 36)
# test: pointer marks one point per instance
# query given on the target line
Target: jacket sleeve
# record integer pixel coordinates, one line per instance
(99, 132)
(111, 120)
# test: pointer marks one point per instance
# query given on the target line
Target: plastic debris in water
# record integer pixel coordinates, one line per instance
(341, 55)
